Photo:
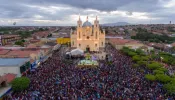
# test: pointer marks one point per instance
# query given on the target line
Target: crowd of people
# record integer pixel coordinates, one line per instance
(60, 79)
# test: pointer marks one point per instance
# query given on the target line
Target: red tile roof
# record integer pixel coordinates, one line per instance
(8, 36)
(34, 40)
(3, 52)
(118, 41)
(21, 53)
(42, 33)
(31, 46)
(10, 77)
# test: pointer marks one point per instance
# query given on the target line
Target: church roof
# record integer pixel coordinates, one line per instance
(85, 24)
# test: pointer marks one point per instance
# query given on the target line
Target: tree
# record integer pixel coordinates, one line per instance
(145, 58)
(163, 78)
(142, 63)
(154, 65)
(19, 43)
(132, 54)
(152, 51)
(154, 56)
(23, 40)
(162, 69)
(140, 52)
(135, 65)
(158, 72)
(136, 58)
(150, 77)
(170, 88)
(20, 83)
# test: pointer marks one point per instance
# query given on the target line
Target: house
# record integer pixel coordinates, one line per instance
(120, 43)
(41, 34)
(17, 66)
(6, 39)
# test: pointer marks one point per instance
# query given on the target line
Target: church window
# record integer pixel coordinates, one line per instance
(79, 45)
(96, 35)
(95, 45)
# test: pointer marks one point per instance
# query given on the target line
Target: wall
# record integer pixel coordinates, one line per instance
(119, 47)
(63, 40)
(90, 43)
(134, 46)
(10, 69)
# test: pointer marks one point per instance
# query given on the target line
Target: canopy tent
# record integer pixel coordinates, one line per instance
(77, 52)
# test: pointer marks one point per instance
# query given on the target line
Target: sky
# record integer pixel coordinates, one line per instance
(67, 12)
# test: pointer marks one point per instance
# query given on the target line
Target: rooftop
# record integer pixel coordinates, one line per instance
(118, 41)
(3, 52)
(22, 53)
(12, 61)
(87, 24)
(10, 77)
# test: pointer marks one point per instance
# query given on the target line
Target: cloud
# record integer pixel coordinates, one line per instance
(65, 12)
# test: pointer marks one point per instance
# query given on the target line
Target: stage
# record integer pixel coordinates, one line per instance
(87, 63)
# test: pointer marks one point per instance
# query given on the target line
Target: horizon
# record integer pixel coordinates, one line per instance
(66, 12)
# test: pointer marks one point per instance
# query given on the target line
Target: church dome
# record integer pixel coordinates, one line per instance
(85, 24)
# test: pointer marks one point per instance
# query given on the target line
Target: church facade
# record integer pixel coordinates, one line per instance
(88, 37)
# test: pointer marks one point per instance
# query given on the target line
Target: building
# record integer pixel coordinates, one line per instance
(6, 39)
(63, 40)
(120, 43)
(17, 66)
(88, 37)
(41, 34)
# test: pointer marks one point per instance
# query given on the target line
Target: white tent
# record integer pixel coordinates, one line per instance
(77, 52)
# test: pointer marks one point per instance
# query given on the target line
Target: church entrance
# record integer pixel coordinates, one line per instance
(87, 48)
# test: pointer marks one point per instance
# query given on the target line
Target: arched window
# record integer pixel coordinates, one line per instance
(79, 45)
(95, 45)
(102, 43)
(96, 35)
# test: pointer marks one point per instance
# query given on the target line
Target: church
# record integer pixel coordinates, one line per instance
(88, 37)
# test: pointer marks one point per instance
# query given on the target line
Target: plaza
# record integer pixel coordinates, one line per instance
(59, 78)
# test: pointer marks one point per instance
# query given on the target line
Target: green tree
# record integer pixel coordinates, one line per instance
(154, 65)
(136, 58)
(162, 69)
(140, 52)
(142, 63)
(145, 58)
(150, 77)
(158, 72)
(19, 43)
(23, 40)
(132, 53)
(163, 78)
(170, 88)
(135, 65)
(20, 83)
